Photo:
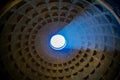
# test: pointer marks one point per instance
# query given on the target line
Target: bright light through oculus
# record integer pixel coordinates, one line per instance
(57, 42)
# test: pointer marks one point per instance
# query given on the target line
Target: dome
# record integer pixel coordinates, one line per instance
(88, 40)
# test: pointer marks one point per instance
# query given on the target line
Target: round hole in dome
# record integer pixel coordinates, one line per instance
(57, 42)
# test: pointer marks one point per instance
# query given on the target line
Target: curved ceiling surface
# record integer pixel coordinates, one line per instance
(91, 30)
